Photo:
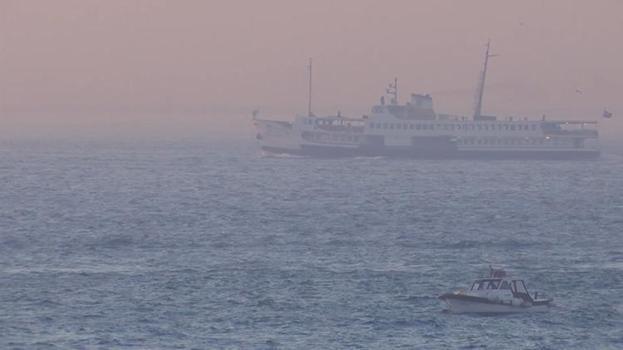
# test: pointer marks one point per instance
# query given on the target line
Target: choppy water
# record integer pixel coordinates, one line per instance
(172, 245)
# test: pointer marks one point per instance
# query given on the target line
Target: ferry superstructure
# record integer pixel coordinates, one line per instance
(414, 129)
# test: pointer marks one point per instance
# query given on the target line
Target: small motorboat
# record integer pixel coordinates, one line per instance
(496, 294)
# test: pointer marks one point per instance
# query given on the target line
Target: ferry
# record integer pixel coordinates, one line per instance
(414, 129)
(495, 295)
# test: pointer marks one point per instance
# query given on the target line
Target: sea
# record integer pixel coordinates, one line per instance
(213, 245)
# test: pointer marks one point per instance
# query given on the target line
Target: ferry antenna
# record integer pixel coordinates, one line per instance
(309, 96)
(392, 90)
(396, 90)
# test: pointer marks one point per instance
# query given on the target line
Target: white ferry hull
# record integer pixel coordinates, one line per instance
(406, 152)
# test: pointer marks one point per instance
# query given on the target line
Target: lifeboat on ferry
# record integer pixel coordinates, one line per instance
(495, 294)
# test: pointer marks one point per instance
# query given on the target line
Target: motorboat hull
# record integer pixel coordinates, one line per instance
(461, 303)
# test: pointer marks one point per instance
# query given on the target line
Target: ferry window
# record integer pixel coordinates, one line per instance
(405, 126)
(391, 126)
(533, 126)
(384, 125)
(411, 126)
(481, 285)
(513, 127)
(458, 126)
(431, 127)
(505, 285)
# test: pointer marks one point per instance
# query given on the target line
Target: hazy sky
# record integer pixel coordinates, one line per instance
(201, 66)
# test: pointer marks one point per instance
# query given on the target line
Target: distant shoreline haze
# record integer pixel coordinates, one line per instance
(192, 68)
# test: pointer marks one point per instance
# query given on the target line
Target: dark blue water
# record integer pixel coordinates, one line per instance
(203, 246)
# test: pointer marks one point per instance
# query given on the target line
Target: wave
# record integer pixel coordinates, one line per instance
(268, 155)
(506, 243)
(114, 242)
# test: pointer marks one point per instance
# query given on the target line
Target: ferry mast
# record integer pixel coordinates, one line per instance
(480, 91)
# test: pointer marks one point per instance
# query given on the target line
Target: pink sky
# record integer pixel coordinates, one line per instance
(201, 66)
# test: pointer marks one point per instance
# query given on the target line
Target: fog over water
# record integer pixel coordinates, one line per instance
(137, 211)
(197, 68)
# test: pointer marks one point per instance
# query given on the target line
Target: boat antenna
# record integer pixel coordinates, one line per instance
(392, 90)
(309, 96)
(480, 91)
